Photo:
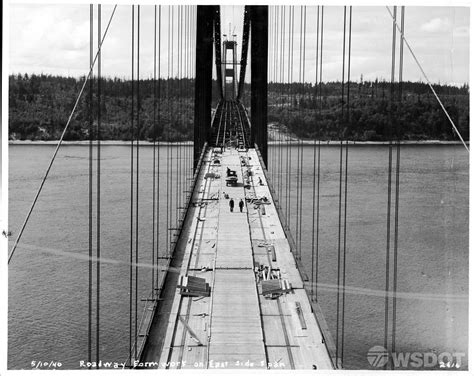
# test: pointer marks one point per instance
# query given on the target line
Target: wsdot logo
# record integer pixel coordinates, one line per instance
(377, 356)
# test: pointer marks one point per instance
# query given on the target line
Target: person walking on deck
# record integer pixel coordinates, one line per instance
(231, 204)
(241, 205)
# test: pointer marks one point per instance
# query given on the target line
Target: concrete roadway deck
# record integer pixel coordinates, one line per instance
(236, 327)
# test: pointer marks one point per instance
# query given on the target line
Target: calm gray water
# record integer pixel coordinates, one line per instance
(48, 275)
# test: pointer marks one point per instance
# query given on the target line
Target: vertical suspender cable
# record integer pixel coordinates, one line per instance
(341, 125)
(168, 125)
(91, 138)
(158, 156)
(313, 271)
(389, 188)
(320, 106)
(170, 197)
(137, 178)
(172, 173)
(280, 96)
(302, 147)
(188, 92)
(302, 81)
(277, 128)
(397, 186)
(178, 146)
(184, 44)
(275, 89)
(183, 114)
(298, 166)
(282, 82)
(190, 88)
(132, 135)
(180, 101)
(185, 93)
(270, 41)
(178, 172)
(184, 99)
(99, 98)
(154, 160)
(345, 185)
(286, 90)
(274, 78)
(289, 98)
(291, 95)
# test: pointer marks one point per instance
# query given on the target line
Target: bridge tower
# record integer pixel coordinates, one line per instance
(229, 67)
(208, 31)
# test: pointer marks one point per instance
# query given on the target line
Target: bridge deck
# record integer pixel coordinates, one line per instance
(236, 326)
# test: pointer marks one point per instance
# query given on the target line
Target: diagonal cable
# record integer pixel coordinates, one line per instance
(60, 140)
(428, 80)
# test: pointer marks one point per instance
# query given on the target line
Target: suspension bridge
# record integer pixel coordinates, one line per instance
(229, 286)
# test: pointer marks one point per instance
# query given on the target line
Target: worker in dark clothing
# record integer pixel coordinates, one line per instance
(241, 205)
(231, 204)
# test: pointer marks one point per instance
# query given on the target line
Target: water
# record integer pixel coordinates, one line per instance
(48, 275)
(433, 244)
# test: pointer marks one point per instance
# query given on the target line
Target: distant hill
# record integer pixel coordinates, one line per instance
(40, 106)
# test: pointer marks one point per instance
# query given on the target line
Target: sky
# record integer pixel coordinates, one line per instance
(54, 39)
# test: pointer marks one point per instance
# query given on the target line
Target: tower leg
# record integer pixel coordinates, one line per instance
(259, 71)
(203, 82)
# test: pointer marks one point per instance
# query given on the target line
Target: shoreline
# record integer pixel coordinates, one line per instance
(190, 143)
(103, 143)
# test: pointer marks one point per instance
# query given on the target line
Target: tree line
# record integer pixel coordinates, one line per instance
(39, 107)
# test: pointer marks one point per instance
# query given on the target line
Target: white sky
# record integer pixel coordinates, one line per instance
(54, 39)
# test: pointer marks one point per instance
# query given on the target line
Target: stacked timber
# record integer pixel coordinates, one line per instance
(194, 286)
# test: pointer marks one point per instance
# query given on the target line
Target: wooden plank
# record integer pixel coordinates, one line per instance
(300, 314)
(190, 330)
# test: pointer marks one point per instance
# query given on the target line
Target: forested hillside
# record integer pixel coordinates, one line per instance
(40, 106)
(418, 114)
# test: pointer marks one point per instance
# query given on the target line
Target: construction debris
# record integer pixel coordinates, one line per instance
(211, 175)
(299, 311)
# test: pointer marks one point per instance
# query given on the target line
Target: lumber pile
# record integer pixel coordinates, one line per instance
(193, 286)
(271, 283)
